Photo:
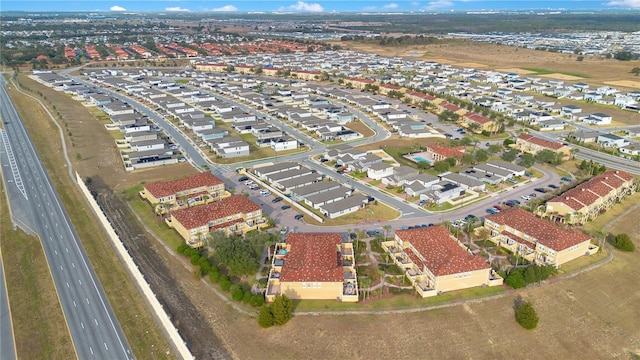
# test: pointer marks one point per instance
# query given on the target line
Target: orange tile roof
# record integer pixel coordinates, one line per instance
(313, 257)
(593, 189)
(541, 142)
(165, 188)
(449, 106)
(475, 117)
(446, 151)
(442, 254)
(548, 234)
(198, 216)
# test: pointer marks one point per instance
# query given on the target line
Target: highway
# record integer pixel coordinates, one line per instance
(94, 329)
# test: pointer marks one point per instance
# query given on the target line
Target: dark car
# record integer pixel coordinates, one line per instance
(276, 199)
(370, 199)
(497, 207)
(340, 171)
(565, 179)
(324, 160)
(470, 217)
(243, 178)
(541, 190)
(553, 186)
(337, 166)
(285, 207)
(298, 216)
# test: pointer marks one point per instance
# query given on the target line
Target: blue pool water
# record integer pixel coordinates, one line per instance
(421, 159)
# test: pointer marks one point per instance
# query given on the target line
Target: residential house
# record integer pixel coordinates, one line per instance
(594, 196)
(346, 206)
(400, 175)
(478, 123)
(229, 146)
(235, 214)
(441, 152)
(598, 119)
(535, 239)
(436, 262)
(283, 143)
(317, 266)
(611, 140)
(379, 170)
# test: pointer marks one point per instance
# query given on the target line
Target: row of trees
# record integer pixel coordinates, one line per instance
(240, 254)
(278, 313)
(521, 277)
(623, 242)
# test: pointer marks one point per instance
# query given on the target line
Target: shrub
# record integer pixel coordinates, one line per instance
(265, 317)
(225, 285)
(515, 279)
(236, 292)
(195, 259)
(526, 316)
(182, 248)
(623, 242)
(257, 300)
(246, 297)
(214, 274)
(281, 309)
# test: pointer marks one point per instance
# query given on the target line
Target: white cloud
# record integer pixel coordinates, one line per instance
(226, 8)
(625, 3)
(439, 4)
(117, 8)
(415, 3)
(175, 8)
(306, 7)
(390, 6)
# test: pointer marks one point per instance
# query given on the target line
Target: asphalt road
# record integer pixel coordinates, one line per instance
(94, 329)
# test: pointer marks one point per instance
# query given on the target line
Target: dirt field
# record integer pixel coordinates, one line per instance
(562, 77)
(598, 70)
(624, 83)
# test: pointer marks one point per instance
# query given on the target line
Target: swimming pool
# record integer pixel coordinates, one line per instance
(421, 159)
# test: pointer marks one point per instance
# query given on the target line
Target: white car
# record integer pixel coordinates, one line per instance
(525, 197)
(248, 182)
(265, 192)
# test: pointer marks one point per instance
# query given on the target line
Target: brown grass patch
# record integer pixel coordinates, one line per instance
(625, 83)
(471, 64)
(360, 127)
(562, 77)
(517, 71)
(39, 325)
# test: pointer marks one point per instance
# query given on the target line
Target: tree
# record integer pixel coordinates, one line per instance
(623, 242)
(494, 149)
(635, 71)
(526, 315)
(281, 308)
(509, 155)
(515, 279)
(265, 317)
(441, 166)
(236, 292)
(507, 142)
(481, 156)
(527, 160)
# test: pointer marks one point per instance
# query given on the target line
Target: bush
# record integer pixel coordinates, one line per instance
(623, 242)
(281, 309)
(246, 297)
(236, 292)
(257, 300)
(195, 259)
(265, 317)
(214, 274)
(182, 248)
(515, 279)
(225, 285)
(526, 316)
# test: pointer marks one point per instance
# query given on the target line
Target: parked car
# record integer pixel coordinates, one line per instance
(541, 190)
(337, 166)
(526, 197)
(422, 202)
(285, 207)
(298, 216)
(243, 178)
(254, 187)
(533, 195)
(265, 192)
(276, 199)
(565, 179)
(323, 160)
(497, 207)
(554, 186)
(248, 182)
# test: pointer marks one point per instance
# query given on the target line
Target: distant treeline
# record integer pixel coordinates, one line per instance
(390, 40)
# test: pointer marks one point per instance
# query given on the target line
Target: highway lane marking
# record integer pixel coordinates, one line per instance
(87, 300)
(61, 268)
(74, 304)
(81, 324)
(73, 265)
(67, 284)
(80, 281)
(65, 248)
(105, 346)
(96, 321)
(90, 349)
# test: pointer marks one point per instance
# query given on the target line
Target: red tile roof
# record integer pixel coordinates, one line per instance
(165, 188)
(553, 145)
(449, 106)
(198, 216)
(442, 253)
(548, 234)
(593, 189)
(361, 80)
(446, 151)
(475, 117)
(420, 95)
(313, 257)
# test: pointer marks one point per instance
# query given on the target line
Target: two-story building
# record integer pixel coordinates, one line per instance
(235, 214)
(535, 239)
(436, 262)
(194, 190)
(313, 266)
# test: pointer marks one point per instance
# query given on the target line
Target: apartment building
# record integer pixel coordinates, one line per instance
(194, 190)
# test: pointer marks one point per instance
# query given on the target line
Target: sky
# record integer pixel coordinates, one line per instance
(300, 6)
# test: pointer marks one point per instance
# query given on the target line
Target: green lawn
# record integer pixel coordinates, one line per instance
(542, 71)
